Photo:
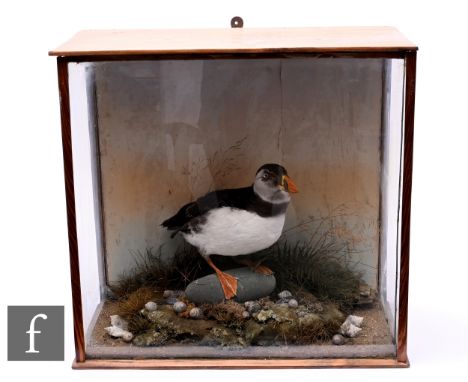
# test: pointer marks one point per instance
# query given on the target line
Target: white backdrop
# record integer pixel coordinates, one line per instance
(33, 235)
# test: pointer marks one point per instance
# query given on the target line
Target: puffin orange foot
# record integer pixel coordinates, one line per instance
(263, 270)
(228, 283)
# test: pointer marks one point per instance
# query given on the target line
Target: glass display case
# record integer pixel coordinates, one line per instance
(238, 197)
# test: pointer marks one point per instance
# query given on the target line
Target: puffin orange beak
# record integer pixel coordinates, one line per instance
(290, 185)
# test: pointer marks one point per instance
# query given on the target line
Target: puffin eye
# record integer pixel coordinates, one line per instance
(265, 176)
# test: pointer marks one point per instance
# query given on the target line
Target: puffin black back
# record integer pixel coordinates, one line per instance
(249, 207)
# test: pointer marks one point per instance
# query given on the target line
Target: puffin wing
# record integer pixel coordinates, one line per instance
(237, 198)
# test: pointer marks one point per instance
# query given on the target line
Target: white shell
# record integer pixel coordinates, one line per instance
(349, 330)
(117, 332)
(355, 320)
(118, 322)
(151, 306)
(285, 294)
(196, 313)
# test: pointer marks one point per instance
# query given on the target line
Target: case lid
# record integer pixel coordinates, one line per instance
(235, 40)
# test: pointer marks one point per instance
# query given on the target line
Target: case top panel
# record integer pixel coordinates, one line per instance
(235, 40)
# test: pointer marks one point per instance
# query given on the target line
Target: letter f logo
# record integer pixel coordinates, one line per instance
(32, 331)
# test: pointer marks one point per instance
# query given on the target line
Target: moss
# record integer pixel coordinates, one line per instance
(158, 270)
(227, 312)
(132, 303)
(315, 268)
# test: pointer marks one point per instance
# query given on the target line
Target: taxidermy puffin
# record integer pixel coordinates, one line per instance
(234, 222)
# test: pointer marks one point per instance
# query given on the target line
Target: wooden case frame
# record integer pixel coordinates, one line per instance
(397, 50)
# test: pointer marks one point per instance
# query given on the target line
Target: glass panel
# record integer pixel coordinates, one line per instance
(149, 137)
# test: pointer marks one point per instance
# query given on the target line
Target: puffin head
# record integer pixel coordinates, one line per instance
(273, 184)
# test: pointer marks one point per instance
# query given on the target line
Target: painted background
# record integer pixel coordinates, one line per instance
(169, 131)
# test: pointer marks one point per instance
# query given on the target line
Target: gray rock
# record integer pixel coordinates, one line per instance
(285, 295)
(251, 286)
(196, 313)
(293, 303)
(171, 300)
(179, 307)
(110, 295)
(151, 306)
(338, 339)
(168, 293)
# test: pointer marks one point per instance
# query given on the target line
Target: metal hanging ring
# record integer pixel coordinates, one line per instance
(237, 22)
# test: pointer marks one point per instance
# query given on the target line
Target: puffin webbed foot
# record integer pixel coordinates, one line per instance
(228, 283)
(263, 270)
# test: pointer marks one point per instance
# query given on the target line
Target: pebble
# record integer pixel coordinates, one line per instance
(245, 314)
(252, 306)
(151, 306)
(179, 307)
(293, 303)
(110, 295)
(285, 294)
(168, 293)
(338, 339)
(195, 313)
(171, 300)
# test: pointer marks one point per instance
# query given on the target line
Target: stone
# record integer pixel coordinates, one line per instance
(118, 322)
(116, 332)
(245, 314)
(196, 313)
(293, 303)
(168, 293)
(285, 295)
(110, 295)
(151, 306)
(251, 286)
(171, 300)
(180, 307)
(338, 339)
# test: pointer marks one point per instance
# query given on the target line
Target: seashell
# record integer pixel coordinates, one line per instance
(338, 339)
(285, 295)
(118, 322)
(293, 303)
(151, 306)
(196, 313)
(355, 320)
(349, 330)
(252, 306)
(179, 307)
(116, 332)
